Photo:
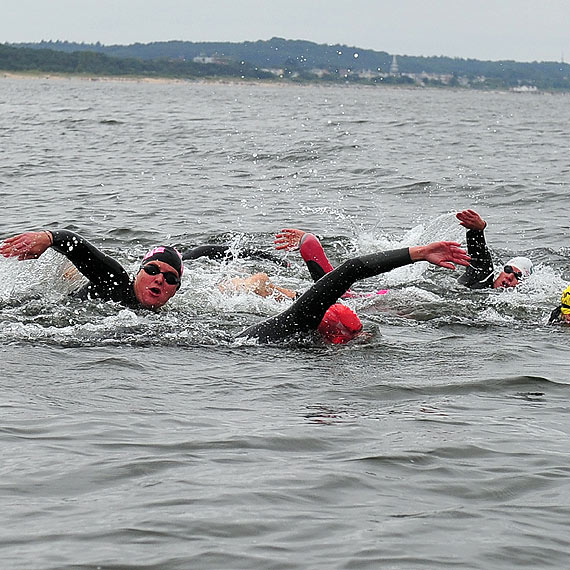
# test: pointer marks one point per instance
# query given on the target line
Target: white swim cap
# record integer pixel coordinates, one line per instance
(523, 264)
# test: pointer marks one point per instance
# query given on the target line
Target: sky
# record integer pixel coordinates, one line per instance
(520, 30)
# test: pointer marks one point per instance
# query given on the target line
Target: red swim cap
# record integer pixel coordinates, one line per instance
(340, 324)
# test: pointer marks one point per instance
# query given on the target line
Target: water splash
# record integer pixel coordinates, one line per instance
(36, 306)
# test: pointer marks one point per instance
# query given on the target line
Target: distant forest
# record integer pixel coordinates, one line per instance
(278, 59)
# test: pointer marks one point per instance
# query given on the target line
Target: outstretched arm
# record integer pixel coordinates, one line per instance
(29, 245)
(106, 274)
(479, 275)
(443, 253)
(308, 310)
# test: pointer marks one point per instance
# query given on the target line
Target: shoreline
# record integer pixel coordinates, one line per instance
(38, 75)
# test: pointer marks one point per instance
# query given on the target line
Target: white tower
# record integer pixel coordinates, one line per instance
(394, 67)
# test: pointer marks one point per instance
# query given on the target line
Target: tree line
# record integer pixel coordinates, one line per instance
(98, 64)
(298, 60)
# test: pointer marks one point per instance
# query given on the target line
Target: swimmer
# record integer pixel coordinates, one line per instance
(156, 281)
(480, 273)
(308, 311)
(339, 325)
(561, 315)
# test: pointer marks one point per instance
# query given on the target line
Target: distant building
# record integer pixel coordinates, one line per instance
(210, 59)
(525, 89)
(320, 72)
(203, 59)
(394, 67)
(369, 74)
(278, 72)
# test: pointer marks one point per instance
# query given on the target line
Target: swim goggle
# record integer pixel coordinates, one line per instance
(510, 269)
(169, 276)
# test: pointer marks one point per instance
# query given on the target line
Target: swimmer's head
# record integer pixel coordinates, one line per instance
(340, 324)
(166, 254)
(523, 264)
(514, 271)
(158, 278)
(565, 301)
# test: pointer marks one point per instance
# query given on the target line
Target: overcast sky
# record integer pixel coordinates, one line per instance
(523, 30)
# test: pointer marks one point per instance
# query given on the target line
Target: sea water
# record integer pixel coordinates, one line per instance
(154, 440)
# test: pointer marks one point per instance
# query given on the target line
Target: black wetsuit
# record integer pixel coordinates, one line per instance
(479, 275)
(215, 251)
(108, 280)
(308, 310)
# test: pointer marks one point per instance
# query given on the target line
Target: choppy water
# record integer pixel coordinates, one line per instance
(134, 440)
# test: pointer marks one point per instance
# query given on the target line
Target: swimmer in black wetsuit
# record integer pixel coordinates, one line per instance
(340, 323)
(155, 283)
(307, 311)
(480, 273)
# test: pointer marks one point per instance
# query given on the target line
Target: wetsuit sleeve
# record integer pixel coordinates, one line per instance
(209, 251)
(216, 251)
(314, 255)
(308, 310)
(479, 275)
(259, 254)
(107, 277)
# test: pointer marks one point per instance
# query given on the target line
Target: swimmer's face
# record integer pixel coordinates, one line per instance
(507, 279)
(153, 291)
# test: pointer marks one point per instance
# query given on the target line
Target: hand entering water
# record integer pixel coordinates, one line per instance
(29, 245)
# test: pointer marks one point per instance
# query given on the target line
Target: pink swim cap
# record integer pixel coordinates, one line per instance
(340, 324)
(167, 254)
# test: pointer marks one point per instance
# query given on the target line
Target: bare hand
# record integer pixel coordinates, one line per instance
(443, 253)
(26, 246)
(288, 239)
(471, 220)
